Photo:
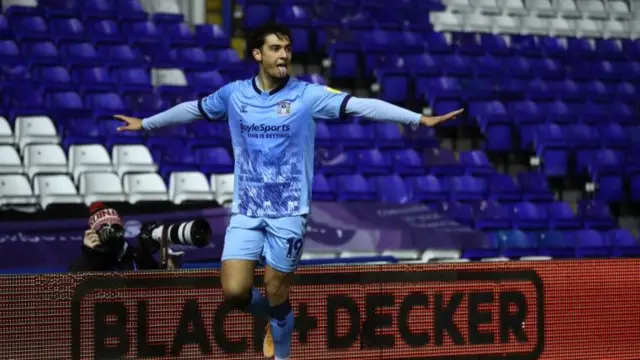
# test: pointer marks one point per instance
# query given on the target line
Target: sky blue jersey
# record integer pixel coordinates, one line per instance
(273, 136)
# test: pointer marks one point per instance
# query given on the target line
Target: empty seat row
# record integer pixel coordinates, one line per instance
(167, 10)
(504, 245)
(97, 31)
(184, 187)
(45, 52)
(193, 186)
(478, 22)
(597, 9)
(407, 43)
(124, 80)
(51, 159)
(471, 55)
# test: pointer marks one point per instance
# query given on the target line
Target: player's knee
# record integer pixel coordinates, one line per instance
(236, 294)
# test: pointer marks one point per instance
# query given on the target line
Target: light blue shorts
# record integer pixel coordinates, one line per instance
(278, 242)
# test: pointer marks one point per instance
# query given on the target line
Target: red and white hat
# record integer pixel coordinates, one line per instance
(100, 215)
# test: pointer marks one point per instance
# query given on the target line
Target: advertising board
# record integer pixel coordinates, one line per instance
(588, 309)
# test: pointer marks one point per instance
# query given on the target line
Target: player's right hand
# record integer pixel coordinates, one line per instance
(91, 239)
(132, 124)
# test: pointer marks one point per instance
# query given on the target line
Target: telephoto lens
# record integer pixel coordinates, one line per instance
(192, 233)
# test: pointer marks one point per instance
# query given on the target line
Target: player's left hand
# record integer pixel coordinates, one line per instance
(435, 120)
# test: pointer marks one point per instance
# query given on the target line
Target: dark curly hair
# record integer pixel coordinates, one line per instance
(257, 37)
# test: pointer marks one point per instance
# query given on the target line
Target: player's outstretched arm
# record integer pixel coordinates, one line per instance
(376, 109)
(183, 113)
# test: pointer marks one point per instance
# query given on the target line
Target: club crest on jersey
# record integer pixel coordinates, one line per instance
(284, 108)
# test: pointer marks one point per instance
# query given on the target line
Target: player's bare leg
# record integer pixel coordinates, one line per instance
(237, 287)
(280, 327)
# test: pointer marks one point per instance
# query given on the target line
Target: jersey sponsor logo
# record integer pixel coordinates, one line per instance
(284, 108)
(332, 90)
(265, 131)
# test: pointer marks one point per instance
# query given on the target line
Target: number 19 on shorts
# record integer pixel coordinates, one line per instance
(294, 249)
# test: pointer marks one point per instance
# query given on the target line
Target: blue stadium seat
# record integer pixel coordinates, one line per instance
(528, 216)
(207, 134)
(442, 162)
(344, 62)
(494, 121)
(101, 9)
(127, 10)
(29, 27)
(25, 101)
(178, 34)
(92, 79)
(390, 189)
(132, 79)
(535, 187)
(456, 211)
(623, 243)
(353, 188)
(212, 35)
(491, 215)
(193, 58)
(105, 104)
(214, 160)
(14, 75)
(352, 136)
(322, 189)
(79, 132)
(425, 189)
(54, 78)
(503, 188)
(39, 52)
(80, 54)
(5, 30)
(553, 149)
(388, 136)
(177, 157)
(515, 243)
(595, 214)
(119, 55)
(556, 244)
(323, 136)
(105, 31)
(526, 115)
(591, 243)
(406, 162)
(372, 162)
(466, 188)
(394, 84)
(256, 14)
(606, 168)
(626, 91)
(613, 136)
(65, 103)
(476, 163)
(61, 8)
(142, 32)
(336, 162)
(67, 30)
(9, 52)
(562, 217)
(423, 138)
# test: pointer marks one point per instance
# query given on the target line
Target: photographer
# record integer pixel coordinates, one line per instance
(104, 247)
